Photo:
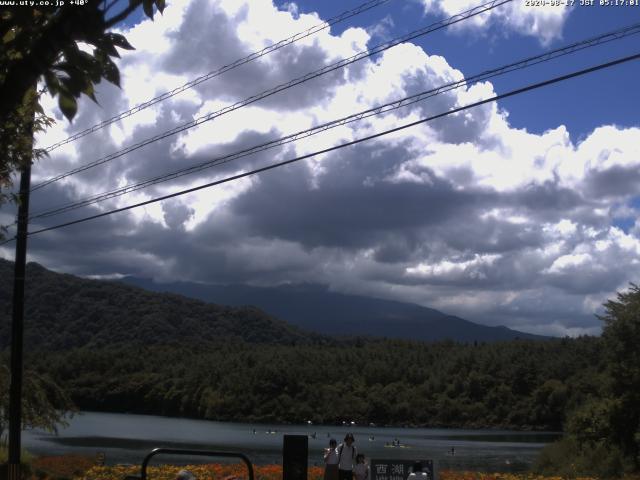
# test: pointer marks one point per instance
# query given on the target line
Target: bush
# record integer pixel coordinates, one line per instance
(568, 459)
(25, 461)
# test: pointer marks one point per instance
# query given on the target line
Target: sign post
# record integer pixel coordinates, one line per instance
(399, 469)
(295, 454)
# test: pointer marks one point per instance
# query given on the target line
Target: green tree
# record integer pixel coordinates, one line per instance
(44, 404)
(621, 335)
(42, 43)
(603, 432)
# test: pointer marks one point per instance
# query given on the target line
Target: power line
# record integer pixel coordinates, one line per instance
(267, 93)
(8, 241)
(353, 142)
(387, 107)
(203, 78)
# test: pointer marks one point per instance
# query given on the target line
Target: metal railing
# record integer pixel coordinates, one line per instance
(180, 451)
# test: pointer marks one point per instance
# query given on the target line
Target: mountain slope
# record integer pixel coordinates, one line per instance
(63, 311)
(317, 309)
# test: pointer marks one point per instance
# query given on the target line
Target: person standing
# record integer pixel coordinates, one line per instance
(361, 469)
(346, 457)
(331, 461)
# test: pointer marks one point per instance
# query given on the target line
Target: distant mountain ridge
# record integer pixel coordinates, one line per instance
(314, 308)
(63, 312)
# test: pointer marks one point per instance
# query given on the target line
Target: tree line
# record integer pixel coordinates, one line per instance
(519, 384)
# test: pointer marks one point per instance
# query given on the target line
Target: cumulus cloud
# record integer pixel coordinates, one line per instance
(544, 22)
(467, 214)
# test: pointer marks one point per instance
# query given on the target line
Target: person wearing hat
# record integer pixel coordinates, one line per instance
(346, 457)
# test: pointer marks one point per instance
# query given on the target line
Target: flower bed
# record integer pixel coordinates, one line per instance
(76, 467)
(202, 472)
(63, 466)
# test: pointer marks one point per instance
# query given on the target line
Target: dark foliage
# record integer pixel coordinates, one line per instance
(603, 432)
(385, 382)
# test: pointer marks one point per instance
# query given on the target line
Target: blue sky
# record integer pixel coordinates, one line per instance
(522, 213)
(610, 97)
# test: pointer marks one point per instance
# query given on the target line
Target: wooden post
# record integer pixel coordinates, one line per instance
(17, 322)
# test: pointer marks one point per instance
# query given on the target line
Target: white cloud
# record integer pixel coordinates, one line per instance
(569, 262)
(543, 22)
(450, 269)
(466, 214)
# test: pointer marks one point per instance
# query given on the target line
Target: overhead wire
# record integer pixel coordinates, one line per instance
(215, 73)
(9, 240)
(267, 93)
(494, 98)
(387, 107)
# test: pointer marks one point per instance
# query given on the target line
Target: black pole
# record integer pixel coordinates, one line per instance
(17, 327)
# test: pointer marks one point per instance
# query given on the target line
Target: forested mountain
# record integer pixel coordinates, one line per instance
(120, 348)
(316, 309)
(64, 311)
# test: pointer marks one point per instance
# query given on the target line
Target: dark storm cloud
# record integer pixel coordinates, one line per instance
(461, 127)
(160, 156)
(196, 43)
(278, 70)
(489, 235)
(548, 198)
(111, 102)
(199, 54)
(585, 280)
(343, 209)
(220, 153)
(616, 181)
(176, 213)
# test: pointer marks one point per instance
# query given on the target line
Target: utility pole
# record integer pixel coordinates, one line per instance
(17, 321)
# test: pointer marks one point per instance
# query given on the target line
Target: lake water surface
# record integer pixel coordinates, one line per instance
(126, 438)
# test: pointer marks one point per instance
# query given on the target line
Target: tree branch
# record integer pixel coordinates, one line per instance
(110, 6)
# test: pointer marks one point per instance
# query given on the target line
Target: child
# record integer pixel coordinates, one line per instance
(331, 461)
(361, 470)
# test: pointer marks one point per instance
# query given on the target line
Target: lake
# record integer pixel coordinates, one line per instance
(127, 438)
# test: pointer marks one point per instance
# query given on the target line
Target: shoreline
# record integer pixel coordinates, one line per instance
(345, 424)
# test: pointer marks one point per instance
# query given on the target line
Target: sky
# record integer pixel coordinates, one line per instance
(519, 213)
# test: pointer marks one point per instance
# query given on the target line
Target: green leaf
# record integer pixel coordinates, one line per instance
(119, 41)
(9, 36)
(95, 69)
(110, 72)
(75, 59)
(68, 105)
(89, 91)
(160, 4)
(76, 83)
(107, 47)
(52, 82)
(147, 6)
